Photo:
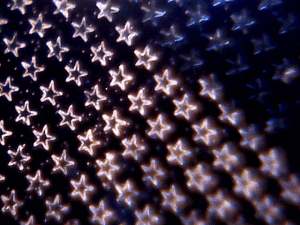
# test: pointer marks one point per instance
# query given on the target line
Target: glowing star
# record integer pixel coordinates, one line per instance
(148, 216)
(20, 5)
(11, 204)
(140, 102)
(38, 26)
(108, 168)
(6, 89)
(146, 58)
(252, 138)
(62, 163)
(88, 142)
(56, 209)
(75, 73)
(211, 88)
(198, 15)
(13, 45)
(202, 178)
(19, 158)
(152, 13)
(242, 21)
(81, 189)
(101, 53)
(160, 128)
(4, 133)
(231, 115)
(134, 147)
(106, 10)
(32, 69)
(172, 37)
(186, 107)
(115, 123)
(63, 7)
(81, 30)
(101, 213)
(174, 199)
(37, 183)
(95, 98)
(179, 153)
(120, 78)
(25, 113)
(128, 193)
(43, 138)
(218, 41)
(69, 118)
(263, 44)
(50, 93)
(155, 173)
(56, 49)
(127, 33)
(165, 82)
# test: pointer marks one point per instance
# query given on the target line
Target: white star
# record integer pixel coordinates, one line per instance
(7, 89)
(120, 78)
(63, 7)
(11, 204)
(101, 53)
(114, 123)
(19, 158)
(13, 45)
(127, 33)
(56, 49)
(43, 138)
(37, 183)
(38, 26)
(49, 94)
(69, 118)
(81, 30)
(56, 208)
(160, 127)
(75, 73)
(62, 162)
(95, 97)
(25, 113)
(20, 5)
(146, 58)
(81, 189)
(32, 69)
(140, 102)
(88, 142)
(165, 83)
(106, 10)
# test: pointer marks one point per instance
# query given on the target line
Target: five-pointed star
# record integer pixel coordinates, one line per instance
(102, 214)
(101, 53)
(37, 183)
(81, 189)
(95, 97)
(146, 58)
(56, 49)
(43, 138)
(197, 15)
(109, 167)
(20, 5)
(56, 208)
(7, 89)
(218, 41)
(140, 102)
(18, 158)
(62, 162)
(50, 93)
(148, 216)
(81, 30)
(127, 33)
(13, 45)
(106, 10)
(242, 21)
(120, 78)
(88, 142)
(69, 118)
(127, 193)
(179, 153)
(4, 133)
(75, 73)
(172, 37)
(211, 88)
(114, 123)
(63, 7)
(185, 107)
(134, 147)
(159, 128)
(165, 83)
(11, 204)
(32, 69)
(174, 199)
(38, 26)
(25, 113)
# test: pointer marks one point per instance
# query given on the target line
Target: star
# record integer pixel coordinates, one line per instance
(238, 67)
(120, 78)
(56, 209)
(263, 44)
(267, 4)
(148, 216)
(152, 14)
(43, 138)
(81, 189)
(114, 123)
(6, 89)
(32, 69)
(4, 133)
(127, 33)
(95, 98)
(81, 30)
(288, 24)
(56, 49)
(160, 127)
(128, 193)
(242, 21)
(286, 72)
(37, 183)
(62, 162)
(172, 37)
(192, 60)
(134, 147)
(186, 107)
(13, 45)
(102, 54)
(20, 5)
(69, 118)
(179, 153)
(165, 82)
(211, 88)
(218, 41)
(19, 158)
(88, 142)
(231, 115)
(75, 73)
(197, 15)
(11, 204)
(25, 113)
(140, 102)
(50, 93)
(102, 214)
(146, 58)
(107, 9)
(38, 26)
(252, 138)
(63, 7)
